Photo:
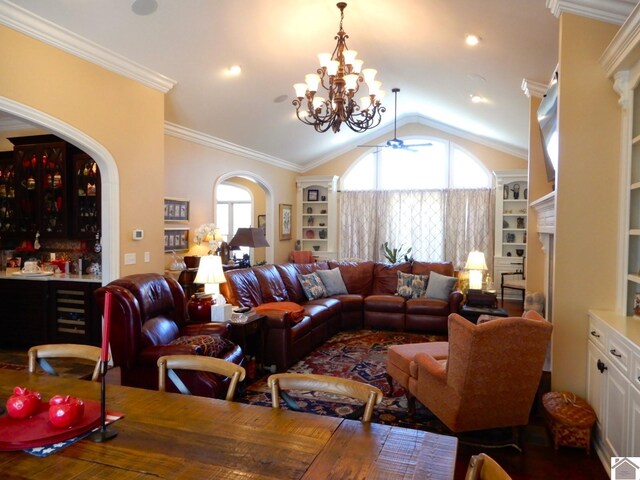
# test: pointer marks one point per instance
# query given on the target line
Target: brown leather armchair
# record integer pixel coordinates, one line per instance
(148, 313)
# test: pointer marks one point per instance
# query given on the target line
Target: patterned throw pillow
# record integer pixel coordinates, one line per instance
(205, 345)
(411, 285)
(312, 286)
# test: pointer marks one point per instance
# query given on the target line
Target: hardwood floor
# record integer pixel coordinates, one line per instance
(537, 461)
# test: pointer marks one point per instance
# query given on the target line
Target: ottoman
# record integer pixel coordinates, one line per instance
(569, 418)
(400, 358)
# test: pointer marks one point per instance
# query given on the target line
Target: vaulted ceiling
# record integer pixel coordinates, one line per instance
(186, 47)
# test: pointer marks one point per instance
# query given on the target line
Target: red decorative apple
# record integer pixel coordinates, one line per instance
(23, 403)
(65, 410)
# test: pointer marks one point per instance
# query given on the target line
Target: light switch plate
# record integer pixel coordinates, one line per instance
(129, 258)
(147, 257)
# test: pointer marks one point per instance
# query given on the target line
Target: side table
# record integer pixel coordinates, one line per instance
(472, 313)
(249, 334)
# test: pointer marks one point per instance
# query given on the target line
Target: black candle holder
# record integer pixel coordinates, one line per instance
(104, 433)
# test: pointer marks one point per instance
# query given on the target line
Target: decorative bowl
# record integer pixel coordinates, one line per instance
(316, 247)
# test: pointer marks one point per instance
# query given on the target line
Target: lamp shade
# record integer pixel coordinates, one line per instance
(476, 261)
(249, 237)
(210, 270)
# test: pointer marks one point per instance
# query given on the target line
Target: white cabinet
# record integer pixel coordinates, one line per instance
(510, 224)
(317, 215)
(612, 387)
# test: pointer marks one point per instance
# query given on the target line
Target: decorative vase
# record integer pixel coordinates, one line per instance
(323, 234)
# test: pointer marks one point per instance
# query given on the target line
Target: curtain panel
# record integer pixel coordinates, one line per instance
(439, 225)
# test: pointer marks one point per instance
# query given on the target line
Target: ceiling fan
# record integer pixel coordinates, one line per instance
(395, 142)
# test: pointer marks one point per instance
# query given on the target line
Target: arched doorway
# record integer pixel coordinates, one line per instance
(109, 175)
(271, 218)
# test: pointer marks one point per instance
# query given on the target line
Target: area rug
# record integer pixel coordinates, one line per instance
(358, 355)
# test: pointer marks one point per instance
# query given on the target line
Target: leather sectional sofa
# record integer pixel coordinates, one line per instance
(370, 302)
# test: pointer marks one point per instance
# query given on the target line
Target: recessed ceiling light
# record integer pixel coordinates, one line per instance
(472, 40)
(476, 98)
(234, 70)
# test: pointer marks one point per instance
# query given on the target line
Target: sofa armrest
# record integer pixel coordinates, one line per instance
(211, 328)
(455, 300)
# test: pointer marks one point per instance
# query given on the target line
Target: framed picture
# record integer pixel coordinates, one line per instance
(313, 195)
(176, 238)
(285, 221)
(176, 210)
(262, 223)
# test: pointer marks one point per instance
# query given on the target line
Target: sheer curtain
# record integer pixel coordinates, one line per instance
(439, 225)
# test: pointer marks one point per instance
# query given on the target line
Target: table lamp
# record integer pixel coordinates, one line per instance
(210, 274)
(476, 265)
(248, 237)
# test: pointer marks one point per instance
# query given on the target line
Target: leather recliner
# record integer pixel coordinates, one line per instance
(148, 313)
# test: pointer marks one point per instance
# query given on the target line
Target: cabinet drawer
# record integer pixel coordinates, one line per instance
(597, 333)
(619, 353)
(635, 370)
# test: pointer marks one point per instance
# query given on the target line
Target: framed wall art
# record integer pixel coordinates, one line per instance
(313, 195)
(286, 219)
(176, 210)
(262, 224)
(176, 238)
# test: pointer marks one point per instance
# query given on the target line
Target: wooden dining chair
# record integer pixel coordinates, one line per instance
(39, 353)
(167, 365)
(310, 382)
(483, 467)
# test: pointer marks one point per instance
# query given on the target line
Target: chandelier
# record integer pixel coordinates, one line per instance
(341, 75)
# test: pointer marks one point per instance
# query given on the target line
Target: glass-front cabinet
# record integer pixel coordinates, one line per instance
(85, 196)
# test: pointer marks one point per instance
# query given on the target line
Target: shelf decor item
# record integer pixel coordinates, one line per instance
(312, 195)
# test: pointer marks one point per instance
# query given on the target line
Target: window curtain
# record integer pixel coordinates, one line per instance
(439, 225)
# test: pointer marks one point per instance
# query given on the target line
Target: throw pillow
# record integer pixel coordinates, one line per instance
(440, 286)
(205, 345)
(411, 285)
(312, 286)
(290, 310)
(332, 280)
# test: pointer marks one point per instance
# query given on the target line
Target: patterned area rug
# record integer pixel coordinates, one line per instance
(358, 355)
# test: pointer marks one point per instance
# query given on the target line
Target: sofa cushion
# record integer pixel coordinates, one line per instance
(206, 345)
(428, 307)
(385, 277)
(411, 286)
(440, 286)
(271, 285)
(332, 280)
(312, 286)
(242, 288)
(425, 268)
(357, 276)
(289, 275)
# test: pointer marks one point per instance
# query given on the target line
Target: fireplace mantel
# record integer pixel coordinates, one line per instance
(545, 208)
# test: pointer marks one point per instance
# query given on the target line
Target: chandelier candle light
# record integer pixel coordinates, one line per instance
(340, 74)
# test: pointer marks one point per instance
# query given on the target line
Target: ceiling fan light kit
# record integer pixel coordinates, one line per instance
(340, 75)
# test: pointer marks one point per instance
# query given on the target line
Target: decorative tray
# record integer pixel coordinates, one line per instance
(32, 274)
(37, 431)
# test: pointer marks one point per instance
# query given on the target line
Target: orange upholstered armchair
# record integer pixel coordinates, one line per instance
(491, 375)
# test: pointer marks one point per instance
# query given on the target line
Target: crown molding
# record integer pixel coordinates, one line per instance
(23, 21)
(623, 52)
(533, 89)
(611, 11)
(212, 142)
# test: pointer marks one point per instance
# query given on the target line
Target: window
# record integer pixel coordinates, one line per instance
(442, 165)
(233, 211)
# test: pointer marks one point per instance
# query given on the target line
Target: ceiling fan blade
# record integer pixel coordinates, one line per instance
(373, 146)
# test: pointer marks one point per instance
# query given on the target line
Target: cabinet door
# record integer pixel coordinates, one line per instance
(615, 420)
(8, 202)
(595, 382)
(85, 194)
(72, 313)
(633, 449)
(23, 313)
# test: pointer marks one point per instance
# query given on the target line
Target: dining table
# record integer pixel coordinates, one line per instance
(173, 436)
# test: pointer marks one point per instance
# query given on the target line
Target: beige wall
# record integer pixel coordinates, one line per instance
(538, 187)
(491, 158)
(122, 115)
(586, 196)
(192, 171)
